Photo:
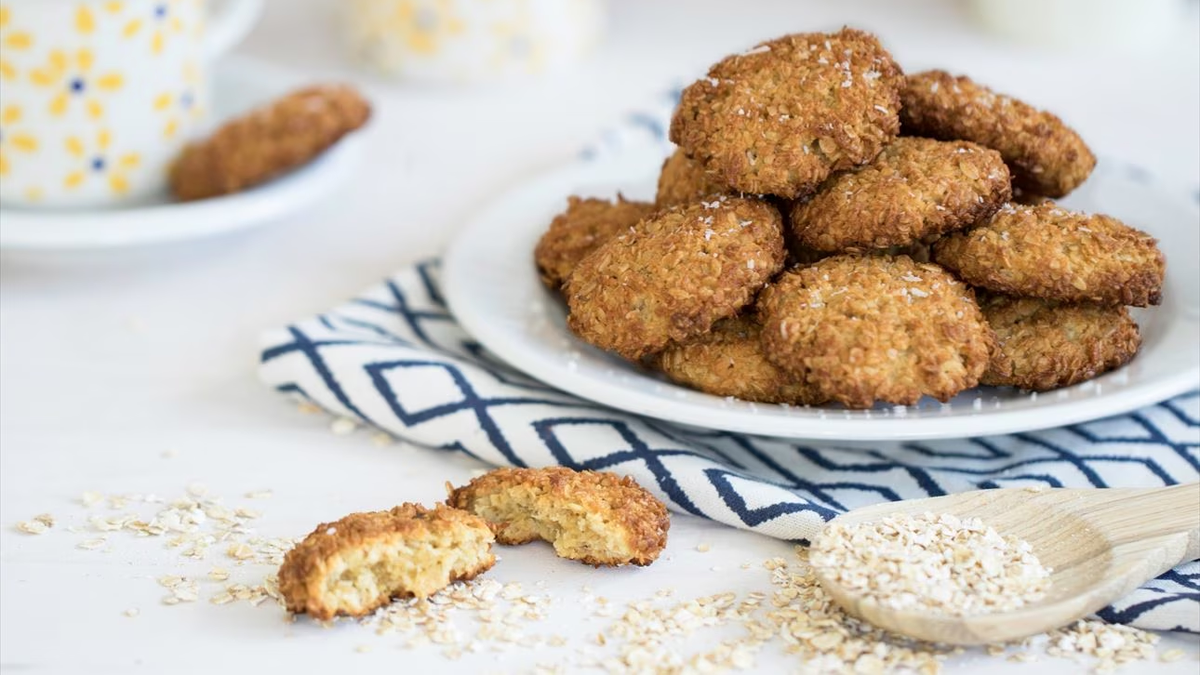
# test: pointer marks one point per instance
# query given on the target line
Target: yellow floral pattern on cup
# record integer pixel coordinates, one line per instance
(162, 23)
(182, 105)
(11, 39)
(471, 40)
(98, 98)
(13, 139)
(72, 77)
(98, 160)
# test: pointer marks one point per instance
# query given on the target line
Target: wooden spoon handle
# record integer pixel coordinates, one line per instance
(1130, 515)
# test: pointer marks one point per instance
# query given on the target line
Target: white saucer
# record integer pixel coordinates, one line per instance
(494, 292)
(239, 85)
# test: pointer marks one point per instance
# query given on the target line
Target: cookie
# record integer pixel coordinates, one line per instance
(359, 563)
(862, 329)
(780, 118)
(915, 189)
(675, 275)
(267, 142)
(1046, 156)
(581, 229)
(1046, 251)
(597, 518)
(729, 361)
(684, 181)
(1047, 344)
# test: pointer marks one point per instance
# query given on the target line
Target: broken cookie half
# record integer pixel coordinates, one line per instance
(598, 518)
(359, 563)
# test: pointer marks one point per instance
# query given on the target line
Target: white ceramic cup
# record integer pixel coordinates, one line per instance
(1108, 25)
(99, 96)
(461, 41)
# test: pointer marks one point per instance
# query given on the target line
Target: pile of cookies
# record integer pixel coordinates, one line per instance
(830, 230)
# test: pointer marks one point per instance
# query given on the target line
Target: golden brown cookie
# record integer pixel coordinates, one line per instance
(1046, 156)
(581, 229)
(595, 517)
(916, 188)
(1046, 251)
(684, 181)
(779, 118)
(1048, 344)
(676, 274)
(359, 563)
(862, 329)
(267, 142)
(729, 361)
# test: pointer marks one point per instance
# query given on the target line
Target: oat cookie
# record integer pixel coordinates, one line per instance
(916, 188)
(359, 563)
(1046, 251)
(595, 517)
(581, 229)
(1050, 344)
(684, 181)
(675, 275)
(1046, 156)
(862, 329)
(779, 118)
(729, 361)
(267, 142)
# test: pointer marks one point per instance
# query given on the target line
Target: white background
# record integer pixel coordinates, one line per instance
(110, 360)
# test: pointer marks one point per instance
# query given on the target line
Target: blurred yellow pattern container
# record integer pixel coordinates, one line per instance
(461, 41)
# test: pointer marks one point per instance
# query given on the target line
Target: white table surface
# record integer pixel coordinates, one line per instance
(133, 371)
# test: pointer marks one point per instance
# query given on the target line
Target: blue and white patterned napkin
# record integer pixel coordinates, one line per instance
(395, 358)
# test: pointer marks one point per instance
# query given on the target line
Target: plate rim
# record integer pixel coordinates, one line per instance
(838, 425)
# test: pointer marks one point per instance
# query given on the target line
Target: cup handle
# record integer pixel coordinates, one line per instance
(229, 23)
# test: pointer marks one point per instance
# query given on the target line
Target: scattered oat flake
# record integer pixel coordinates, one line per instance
(343, 426)
(259, 494)
(240, 551)
(32, 527)
(218, 574)
(132, 612)
(1172, 655)
(704, 547)
(91, 498)
(92, 544)
(308, 407)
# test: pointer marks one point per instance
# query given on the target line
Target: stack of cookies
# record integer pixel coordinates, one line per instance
(830, 230)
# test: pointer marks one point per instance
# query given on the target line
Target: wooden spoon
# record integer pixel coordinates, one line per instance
(1099, 543)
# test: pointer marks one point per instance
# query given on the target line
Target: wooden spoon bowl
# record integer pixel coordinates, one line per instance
(1100, 544)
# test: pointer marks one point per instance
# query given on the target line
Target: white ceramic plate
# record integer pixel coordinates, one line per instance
(238, 85)
(494, 291)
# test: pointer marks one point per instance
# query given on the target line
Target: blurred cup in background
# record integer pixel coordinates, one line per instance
(469, 41)
(99, 97)
(1126, 25)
